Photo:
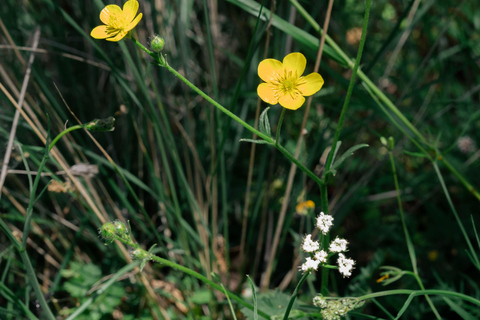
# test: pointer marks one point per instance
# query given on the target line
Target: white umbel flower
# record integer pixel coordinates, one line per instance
(309, 245)
(321, 256)
(338, 245)
(324, 222)
(345, 265)
(320, 301)
(309, 265)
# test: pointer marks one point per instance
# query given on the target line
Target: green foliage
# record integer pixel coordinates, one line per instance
(80, 279)
(274, 303)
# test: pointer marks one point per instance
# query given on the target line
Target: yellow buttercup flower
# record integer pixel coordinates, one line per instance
(284, 82)
(118, 22)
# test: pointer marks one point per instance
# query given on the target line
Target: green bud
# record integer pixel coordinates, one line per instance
(107, 231)
(140, 254)
(157, 44)
(101, 125)
(391, 143)
(120, 228)
(384, 141)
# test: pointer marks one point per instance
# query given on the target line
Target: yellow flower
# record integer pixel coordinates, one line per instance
(304, 207)
(285, 83)
(118, 22)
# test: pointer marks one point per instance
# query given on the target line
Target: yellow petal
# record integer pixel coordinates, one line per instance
(130, 9)
(269, 68)
(291, 103)
(100, 32)
(119, 36)
(266, 93)
(295, 62)
(108, 11)
(134, 23)
(312, 83)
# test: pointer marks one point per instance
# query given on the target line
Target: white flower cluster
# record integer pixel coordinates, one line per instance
(335, 309)
(319, 256)
(324, 222)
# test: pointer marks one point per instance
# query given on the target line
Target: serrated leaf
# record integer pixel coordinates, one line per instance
(347, 154)
(254, 294)
(264, 123)
(255, 141)
(273, 303)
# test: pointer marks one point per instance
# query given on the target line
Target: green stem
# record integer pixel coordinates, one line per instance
(419, 293)
(411, 250)
(279, 126)
(294, 295)
(61, 134)
(350, 87)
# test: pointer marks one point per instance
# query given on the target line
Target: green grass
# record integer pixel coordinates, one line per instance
(175, 168)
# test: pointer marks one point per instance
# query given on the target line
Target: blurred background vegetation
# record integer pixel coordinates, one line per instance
(188, 171)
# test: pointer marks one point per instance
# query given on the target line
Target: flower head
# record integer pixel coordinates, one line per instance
(338, 245)
(324, 222)
(321, 256)
(118, 22)
(309, 265)
(309, 245)
(345, 265)
(304, 207)
(284, 82)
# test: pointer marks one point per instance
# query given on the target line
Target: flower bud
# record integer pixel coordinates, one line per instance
(140, 254)
(101, 125)
(157, 44)
(107, 231)
(120, 228)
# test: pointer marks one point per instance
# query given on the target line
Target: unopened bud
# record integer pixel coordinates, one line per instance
(107, 231)
(120, 228)
(140, 254)
(157, 44)
(101, 125)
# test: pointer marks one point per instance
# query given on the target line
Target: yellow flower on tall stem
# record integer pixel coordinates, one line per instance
(118, 22)
(284, 82)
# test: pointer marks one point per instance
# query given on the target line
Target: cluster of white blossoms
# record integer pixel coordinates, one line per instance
(335, 309)
(319, 256)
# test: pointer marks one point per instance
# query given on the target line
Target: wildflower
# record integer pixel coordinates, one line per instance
(309, 265)
(321, 256)
(304, 206)
(320, 301)
(345, 265)
(118, 22)
(324, 222)
(338, 245)
(309, 245)
(284, 82)
(466, 144)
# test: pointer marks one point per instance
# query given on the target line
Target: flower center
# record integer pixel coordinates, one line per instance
(287, 84)
(116, 22)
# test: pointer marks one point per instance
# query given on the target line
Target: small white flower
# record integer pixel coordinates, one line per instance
(324, 222)
(338, 245)
(310, 265)
(345, 265)
(321, 256)
(320, 301)
(309, 245)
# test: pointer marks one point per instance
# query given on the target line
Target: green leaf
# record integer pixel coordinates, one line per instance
(202, 296)
(264, 124)
(415, 154)
(255, 141)
(254, 294)
(347, 154)
(273, 303)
